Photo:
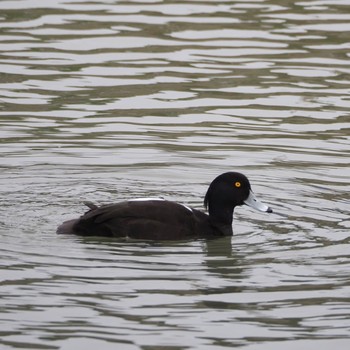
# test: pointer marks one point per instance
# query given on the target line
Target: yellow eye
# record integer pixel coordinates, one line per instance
(237, 184)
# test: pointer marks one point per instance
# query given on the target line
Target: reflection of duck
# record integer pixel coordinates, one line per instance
(158, 219)
(224, 263)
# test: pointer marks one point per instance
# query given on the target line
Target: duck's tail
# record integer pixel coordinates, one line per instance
(67, 227)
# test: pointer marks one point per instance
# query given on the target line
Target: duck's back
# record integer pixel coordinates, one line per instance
(140, 219)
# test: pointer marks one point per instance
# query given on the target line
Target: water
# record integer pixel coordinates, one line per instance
(110, 100)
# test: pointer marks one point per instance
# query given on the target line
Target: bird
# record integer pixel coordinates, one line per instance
(159, 219)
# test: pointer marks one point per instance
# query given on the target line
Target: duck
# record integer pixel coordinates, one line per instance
(160, 219)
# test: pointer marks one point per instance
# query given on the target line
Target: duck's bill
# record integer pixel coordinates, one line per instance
(253, 202)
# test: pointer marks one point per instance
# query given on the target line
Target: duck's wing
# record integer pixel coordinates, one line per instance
(90, 205)
(138, 219)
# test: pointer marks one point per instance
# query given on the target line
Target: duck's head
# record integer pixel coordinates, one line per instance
(226, 192)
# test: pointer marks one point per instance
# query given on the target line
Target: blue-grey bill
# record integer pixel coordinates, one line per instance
(253, 202)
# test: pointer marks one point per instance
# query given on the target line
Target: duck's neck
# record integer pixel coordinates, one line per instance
(221, 217)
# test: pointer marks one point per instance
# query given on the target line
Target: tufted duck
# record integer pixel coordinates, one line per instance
(158, 219)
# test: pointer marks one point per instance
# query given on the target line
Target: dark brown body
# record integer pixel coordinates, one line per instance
(151, 219)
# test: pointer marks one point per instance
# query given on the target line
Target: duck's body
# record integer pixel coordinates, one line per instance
(146, 219)
(165, 220)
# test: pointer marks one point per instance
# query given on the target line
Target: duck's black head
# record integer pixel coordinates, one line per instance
(226, 192)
